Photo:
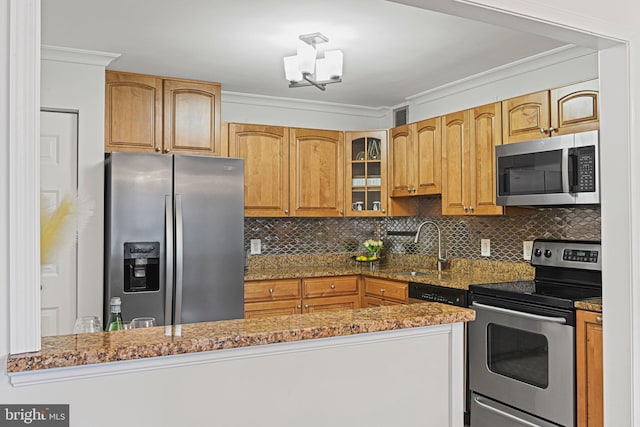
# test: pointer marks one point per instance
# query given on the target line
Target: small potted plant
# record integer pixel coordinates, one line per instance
(373, 248)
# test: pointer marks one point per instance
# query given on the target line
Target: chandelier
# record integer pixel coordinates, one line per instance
(305, 69)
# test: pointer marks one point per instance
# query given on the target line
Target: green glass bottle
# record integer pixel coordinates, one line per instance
(115, 318)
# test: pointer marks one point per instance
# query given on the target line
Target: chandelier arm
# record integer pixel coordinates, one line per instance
(319, 86)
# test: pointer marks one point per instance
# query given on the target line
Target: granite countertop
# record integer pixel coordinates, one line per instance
(459, 275)
(593, 304)
(84, 349)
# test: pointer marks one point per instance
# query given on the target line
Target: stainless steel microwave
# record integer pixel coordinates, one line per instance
(560, 170)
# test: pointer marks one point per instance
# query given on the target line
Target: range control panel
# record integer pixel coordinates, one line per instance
(579, 254)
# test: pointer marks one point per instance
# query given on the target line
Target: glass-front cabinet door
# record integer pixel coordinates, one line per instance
(366, 177)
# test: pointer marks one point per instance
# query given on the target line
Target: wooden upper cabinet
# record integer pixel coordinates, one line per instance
(133, 112)
(484, 135)
(265, 150)
(317, 173)
(415, 158)
(568, 109)
(427, 156)
(159, 115)
(366, 173)
(526, 117)
(455, 163)
(401, 161)
(192, 117)
(575, 108)
(469, 139)
(589, 368)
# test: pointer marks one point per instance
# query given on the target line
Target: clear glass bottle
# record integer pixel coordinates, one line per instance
(115, 318)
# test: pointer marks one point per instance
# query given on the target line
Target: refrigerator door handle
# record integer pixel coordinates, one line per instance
(168, 238)
(179, 260)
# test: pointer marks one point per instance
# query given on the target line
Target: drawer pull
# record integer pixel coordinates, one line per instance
(270, 290)
(599, 319)
(333, 286)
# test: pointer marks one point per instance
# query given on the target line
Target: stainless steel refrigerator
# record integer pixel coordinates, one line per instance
(174, 228)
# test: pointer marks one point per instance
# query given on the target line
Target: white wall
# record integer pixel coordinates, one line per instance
(545, 73)
(258, 109)
(80, 87)
(4, 189)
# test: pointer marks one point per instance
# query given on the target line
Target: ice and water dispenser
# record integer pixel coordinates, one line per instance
(141, 266)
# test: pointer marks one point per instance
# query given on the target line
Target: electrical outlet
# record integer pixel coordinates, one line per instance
(256, 248)
(485, 247)
(527, 246)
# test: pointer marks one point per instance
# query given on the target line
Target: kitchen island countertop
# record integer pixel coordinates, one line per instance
(85, 349)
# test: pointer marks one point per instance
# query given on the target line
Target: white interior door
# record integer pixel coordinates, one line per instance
(59, 178)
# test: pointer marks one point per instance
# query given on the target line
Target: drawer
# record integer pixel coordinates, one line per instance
(386, 289)
(270, 290)
(329, 286)
(254, 310)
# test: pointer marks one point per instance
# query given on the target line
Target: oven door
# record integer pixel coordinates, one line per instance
(525, 360)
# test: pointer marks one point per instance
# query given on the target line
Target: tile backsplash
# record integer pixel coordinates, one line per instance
(461, 235)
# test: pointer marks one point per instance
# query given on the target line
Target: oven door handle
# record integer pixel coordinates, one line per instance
(504, 414)
(520, 314)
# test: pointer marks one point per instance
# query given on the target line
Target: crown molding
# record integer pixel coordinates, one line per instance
(303, 104)
(77, 56)
(513, 69)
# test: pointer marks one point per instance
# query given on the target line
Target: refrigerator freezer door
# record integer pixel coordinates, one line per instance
(136, 187)
(212, 263)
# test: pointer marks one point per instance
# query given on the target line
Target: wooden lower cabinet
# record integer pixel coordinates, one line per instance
(379, 292)
(281, 297)
(589, 368)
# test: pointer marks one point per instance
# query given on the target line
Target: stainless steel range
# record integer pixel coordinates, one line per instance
(522, 343)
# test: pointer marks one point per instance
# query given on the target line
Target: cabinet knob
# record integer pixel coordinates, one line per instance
(471, 208)
(286, 211)
(466, 209)
(158, 149)
(332, 286)
(299, 305)
(383, 210)
(382, 290)
(341, 212)
(552, 130)
(543, 130)
(306, 306)
(166, 150)
(599, 319)
(271, 290)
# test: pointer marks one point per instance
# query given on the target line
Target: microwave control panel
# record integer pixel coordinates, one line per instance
(586, 169)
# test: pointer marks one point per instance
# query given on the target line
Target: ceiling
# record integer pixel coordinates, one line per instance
(391, 50)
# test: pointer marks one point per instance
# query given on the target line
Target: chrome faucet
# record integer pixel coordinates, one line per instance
(441, 260)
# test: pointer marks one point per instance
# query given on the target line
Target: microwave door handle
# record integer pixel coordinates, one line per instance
(520, 314)
(573, 170)
(567, 170)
